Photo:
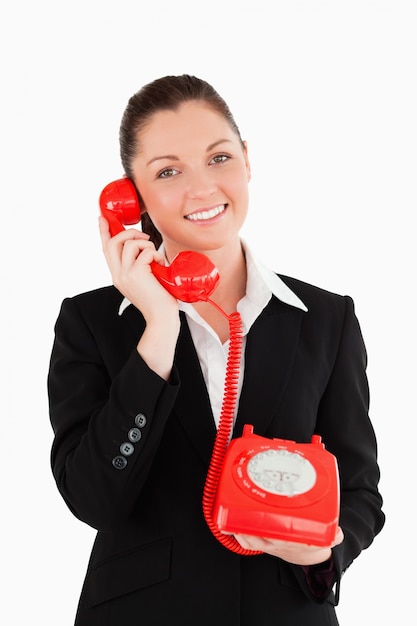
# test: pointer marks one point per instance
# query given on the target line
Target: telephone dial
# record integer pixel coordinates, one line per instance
(272, 488)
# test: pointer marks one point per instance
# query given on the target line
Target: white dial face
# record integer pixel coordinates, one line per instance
(281, 472)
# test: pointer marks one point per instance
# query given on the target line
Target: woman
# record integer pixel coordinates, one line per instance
(136, 387)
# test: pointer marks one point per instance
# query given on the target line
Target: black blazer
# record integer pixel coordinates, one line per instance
(154, 560)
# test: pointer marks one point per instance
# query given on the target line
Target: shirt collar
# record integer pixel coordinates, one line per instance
(261, 284)
(261, 281)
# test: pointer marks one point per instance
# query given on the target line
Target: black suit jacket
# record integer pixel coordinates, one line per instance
(154, 560)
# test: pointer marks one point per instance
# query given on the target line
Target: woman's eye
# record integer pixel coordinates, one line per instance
(167, 173)
(220, 158)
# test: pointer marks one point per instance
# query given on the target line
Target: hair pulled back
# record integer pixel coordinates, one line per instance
(163, 94)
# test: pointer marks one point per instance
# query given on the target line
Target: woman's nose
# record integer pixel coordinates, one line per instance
(201, 184)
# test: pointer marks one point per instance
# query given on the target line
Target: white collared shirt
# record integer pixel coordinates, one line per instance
(261, 284)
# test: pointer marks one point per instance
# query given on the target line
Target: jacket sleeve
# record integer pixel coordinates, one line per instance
(107, 424)
(344, 424)
(350, 436)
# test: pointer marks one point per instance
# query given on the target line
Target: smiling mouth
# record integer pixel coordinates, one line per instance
(200, 216)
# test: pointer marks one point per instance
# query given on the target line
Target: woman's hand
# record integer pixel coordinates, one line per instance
(292, 552)
(129, 255)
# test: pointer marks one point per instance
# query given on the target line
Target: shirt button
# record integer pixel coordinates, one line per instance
(127, 448)
(134, 434)
(140, 420)
(119, 462)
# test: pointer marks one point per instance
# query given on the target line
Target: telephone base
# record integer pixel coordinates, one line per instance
(278, 489)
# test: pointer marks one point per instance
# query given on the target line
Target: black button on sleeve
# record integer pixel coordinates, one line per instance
(119, 462)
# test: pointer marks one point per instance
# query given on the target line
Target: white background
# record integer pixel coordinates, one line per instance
(325, 94)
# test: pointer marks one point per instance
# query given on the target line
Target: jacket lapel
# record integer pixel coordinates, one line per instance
(192, 406)
(270, 351)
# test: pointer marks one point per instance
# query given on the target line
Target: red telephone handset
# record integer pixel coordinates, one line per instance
(191, 277)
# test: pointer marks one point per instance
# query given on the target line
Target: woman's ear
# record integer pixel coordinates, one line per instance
(246, 156)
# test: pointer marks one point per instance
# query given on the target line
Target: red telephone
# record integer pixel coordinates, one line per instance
(279, 489)
(265, 487)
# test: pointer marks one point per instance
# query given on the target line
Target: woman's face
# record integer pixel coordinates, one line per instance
(192, 174)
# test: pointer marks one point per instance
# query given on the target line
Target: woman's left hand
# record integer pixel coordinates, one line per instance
(290, 551)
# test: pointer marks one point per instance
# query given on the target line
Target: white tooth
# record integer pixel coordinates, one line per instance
(206, 215)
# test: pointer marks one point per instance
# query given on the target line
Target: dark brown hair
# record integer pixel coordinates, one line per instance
(163, 94)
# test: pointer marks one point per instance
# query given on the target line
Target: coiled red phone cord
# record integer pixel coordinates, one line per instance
(224, 430)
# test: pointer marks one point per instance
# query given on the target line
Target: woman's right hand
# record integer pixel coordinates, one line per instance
(129, 255)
